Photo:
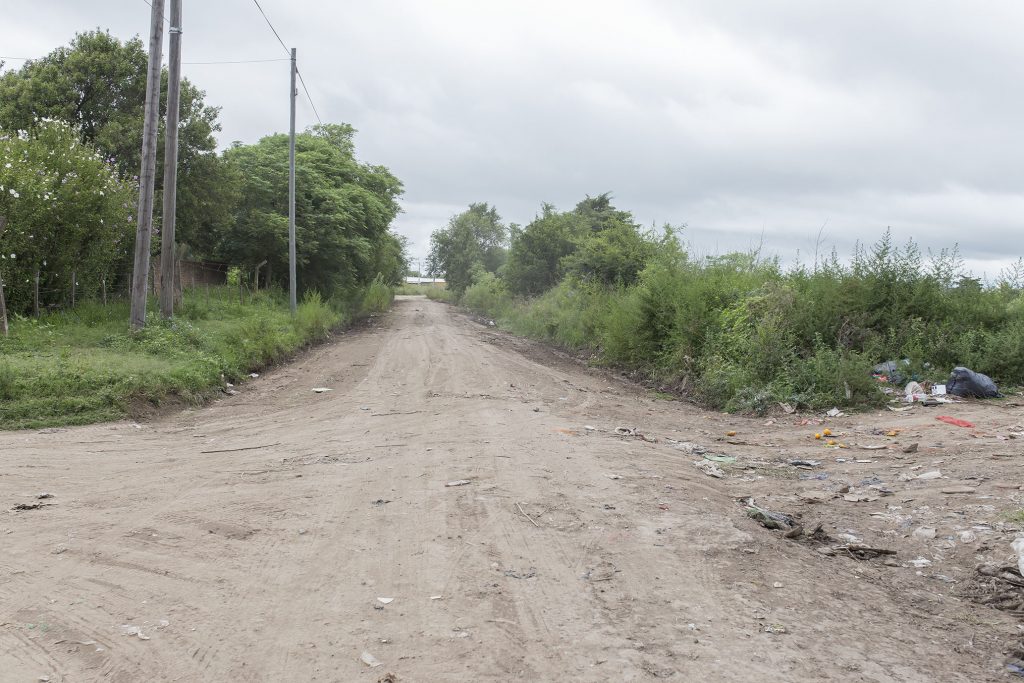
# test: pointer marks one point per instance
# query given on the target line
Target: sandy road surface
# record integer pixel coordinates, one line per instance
(572, 555)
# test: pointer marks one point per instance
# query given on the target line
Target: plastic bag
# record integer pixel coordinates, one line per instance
(970, 384)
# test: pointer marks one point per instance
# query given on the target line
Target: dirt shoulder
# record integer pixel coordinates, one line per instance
(283, 534)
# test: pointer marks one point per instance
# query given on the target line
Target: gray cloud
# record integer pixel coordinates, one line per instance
(741, 119)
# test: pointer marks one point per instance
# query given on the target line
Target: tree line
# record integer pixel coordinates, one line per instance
(736, 330)
(70, 151)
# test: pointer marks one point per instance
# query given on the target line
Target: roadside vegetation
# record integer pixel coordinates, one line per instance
(83, 365)
(70, 132)
(737, 331)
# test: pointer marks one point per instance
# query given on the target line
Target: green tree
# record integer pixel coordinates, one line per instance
(343, 212)
(475, 237)
(536, 255)
(98, 84)
(68, 212)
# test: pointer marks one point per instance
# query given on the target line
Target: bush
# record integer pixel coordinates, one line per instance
(68, 214)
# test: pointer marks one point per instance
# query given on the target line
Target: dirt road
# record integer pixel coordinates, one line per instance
(280, 534)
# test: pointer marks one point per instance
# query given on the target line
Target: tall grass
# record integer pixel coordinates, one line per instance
(84, 365)
(740, 333)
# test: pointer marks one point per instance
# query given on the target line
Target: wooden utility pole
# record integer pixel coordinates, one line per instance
(3, 304)
(144, 225)
(292, 286)
(167, 245)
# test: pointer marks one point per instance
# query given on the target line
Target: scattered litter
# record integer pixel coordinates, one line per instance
(321, 390)
(44, 496)
(129, 630)
(691, 448)
(771, 520)
(459, 482)
(805, 464)
(900, 409)
(859, 551)
(727, 459)
(774, 628)
(589, 428)
(787, 408)
(254, 375)
(385, 601)
(926, 476)
(920, 562)
(776, 585)
(835, 412)
(380, 501)
(29, 506)
(614, 476)
(954, 421)
(369, 660)
(872, 447)
(435, 597)
(959, 489)
(709, 468)
(914, 392)
(924, 533)
(1018, 547)
(730, 433)
(970, 384)
(968, 536)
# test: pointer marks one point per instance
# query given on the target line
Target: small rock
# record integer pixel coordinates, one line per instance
(924, 533)
(934, 474)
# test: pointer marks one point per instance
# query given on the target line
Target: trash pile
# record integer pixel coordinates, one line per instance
(963, 383)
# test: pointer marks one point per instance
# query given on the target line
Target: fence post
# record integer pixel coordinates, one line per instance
(35, 295)
(103, 285)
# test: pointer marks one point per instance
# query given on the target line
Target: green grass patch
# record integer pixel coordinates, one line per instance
(84, 365)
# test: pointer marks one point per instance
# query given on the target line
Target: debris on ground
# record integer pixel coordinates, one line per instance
(634, 432)
(385, 601)
(29, 506)
(955, 421)
(967, 383)
(835, 412)
(320, 390)
(459, 482)
(369, 660)
(709, 468)
(772, 520)
(725, 459)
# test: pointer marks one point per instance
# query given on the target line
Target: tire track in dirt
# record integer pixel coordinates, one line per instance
(267, 564)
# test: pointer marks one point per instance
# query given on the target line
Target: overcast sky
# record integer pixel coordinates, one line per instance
(740, 119)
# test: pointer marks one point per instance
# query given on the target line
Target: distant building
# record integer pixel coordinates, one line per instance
(428, 281)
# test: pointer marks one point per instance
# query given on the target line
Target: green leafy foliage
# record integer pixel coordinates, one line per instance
(343, 212)
(738, 332)
(82, 366)
(474, 238)
(67, 212)
(98, 84)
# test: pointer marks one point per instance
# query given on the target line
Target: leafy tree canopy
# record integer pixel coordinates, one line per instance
(475, 237)
(343, 212)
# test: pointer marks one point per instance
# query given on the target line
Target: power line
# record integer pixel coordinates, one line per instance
(306, 90)
(239, 61)
(299, 73)
(151, 5)
(267, 19)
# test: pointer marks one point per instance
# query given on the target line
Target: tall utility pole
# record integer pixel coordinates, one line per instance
(167, 246)
(144, 227)
(292, 288)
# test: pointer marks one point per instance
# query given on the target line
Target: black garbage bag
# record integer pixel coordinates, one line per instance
(970, 384)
